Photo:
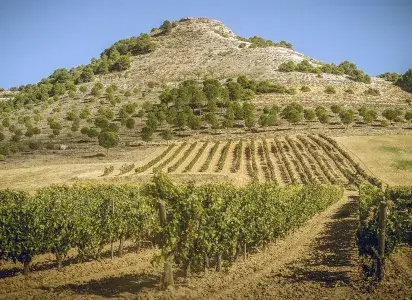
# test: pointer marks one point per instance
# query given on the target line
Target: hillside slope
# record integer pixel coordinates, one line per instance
(199, 47)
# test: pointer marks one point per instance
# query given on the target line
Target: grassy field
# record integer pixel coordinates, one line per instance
(388, 157)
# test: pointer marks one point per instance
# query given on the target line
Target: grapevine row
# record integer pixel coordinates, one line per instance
(253, 158)
(263, 164)
(283, 171)
(223, 156)
(182, 159)
(204, 221)
(249, 167)
(155, 160)
(237, 157)
(301, 162)
(196, 158)
(325, 169)
(208, 160)
(269, 161)
(328, 150)
(170, 158)
(286, 162)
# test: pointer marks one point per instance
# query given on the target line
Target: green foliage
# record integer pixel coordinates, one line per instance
(360, 76)
(372, 92)
(258, 42)
(388, 76)
(214, 220)
(59, 218)
(330, 90)
(305, 89)
(108, 139)
(391, 115)
(167, 26)
(336, 108)
(408, 116)
(398, 228)
(347, 116)
(134, 45)
(309, 115)
(293, 113)
(288, 66)
(130, 123)
(147, 134)
(167, 134)
(405, 82)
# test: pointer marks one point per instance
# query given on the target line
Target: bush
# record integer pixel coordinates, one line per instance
(372, 92)
(405, 82)
(305, 89)
(330, 90)
(304, 66)
(91, 133)
(49, 146)
(288, 66)
(2, 136)
(130, 123)
(349, 91)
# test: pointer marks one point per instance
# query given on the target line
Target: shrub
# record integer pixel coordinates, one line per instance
(130, 123)
(405, 82)
(305, 89)
(372, 92)
(349, 91)
(2, 136)
(288, 66)
(91, 133)
(330, 90)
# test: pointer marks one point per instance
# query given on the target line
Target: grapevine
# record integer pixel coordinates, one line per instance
(212, 152)
(155, 160)
(223, 156)
(196, 158)
(182, 159)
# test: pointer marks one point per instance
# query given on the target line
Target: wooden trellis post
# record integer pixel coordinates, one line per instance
(167, 277)
(382, 240)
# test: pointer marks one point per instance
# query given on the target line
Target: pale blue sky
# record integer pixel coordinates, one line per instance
(39, 36)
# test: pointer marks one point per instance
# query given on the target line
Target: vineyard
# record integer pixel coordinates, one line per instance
(204, 222)
(301, 159)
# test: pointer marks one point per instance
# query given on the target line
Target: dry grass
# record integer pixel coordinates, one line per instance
(389, 157)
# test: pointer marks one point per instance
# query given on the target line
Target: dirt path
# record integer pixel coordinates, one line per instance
(319, 260)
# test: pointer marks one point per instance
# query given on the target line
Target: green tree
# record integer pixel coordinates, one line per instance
(323, 118)
(166, 27)
(108, 139)
(288, 66)
(181, 120)
(211, 119)
(167, 134)
(151, 121)
(309, 115)
(147, 134)
(408, 116)
(405, 82)
(347, 117)
(335, 108)
(391, 114)
(130, 123)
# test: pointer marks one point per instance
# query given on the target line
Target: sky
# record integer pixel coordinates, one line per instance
(39, 36)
